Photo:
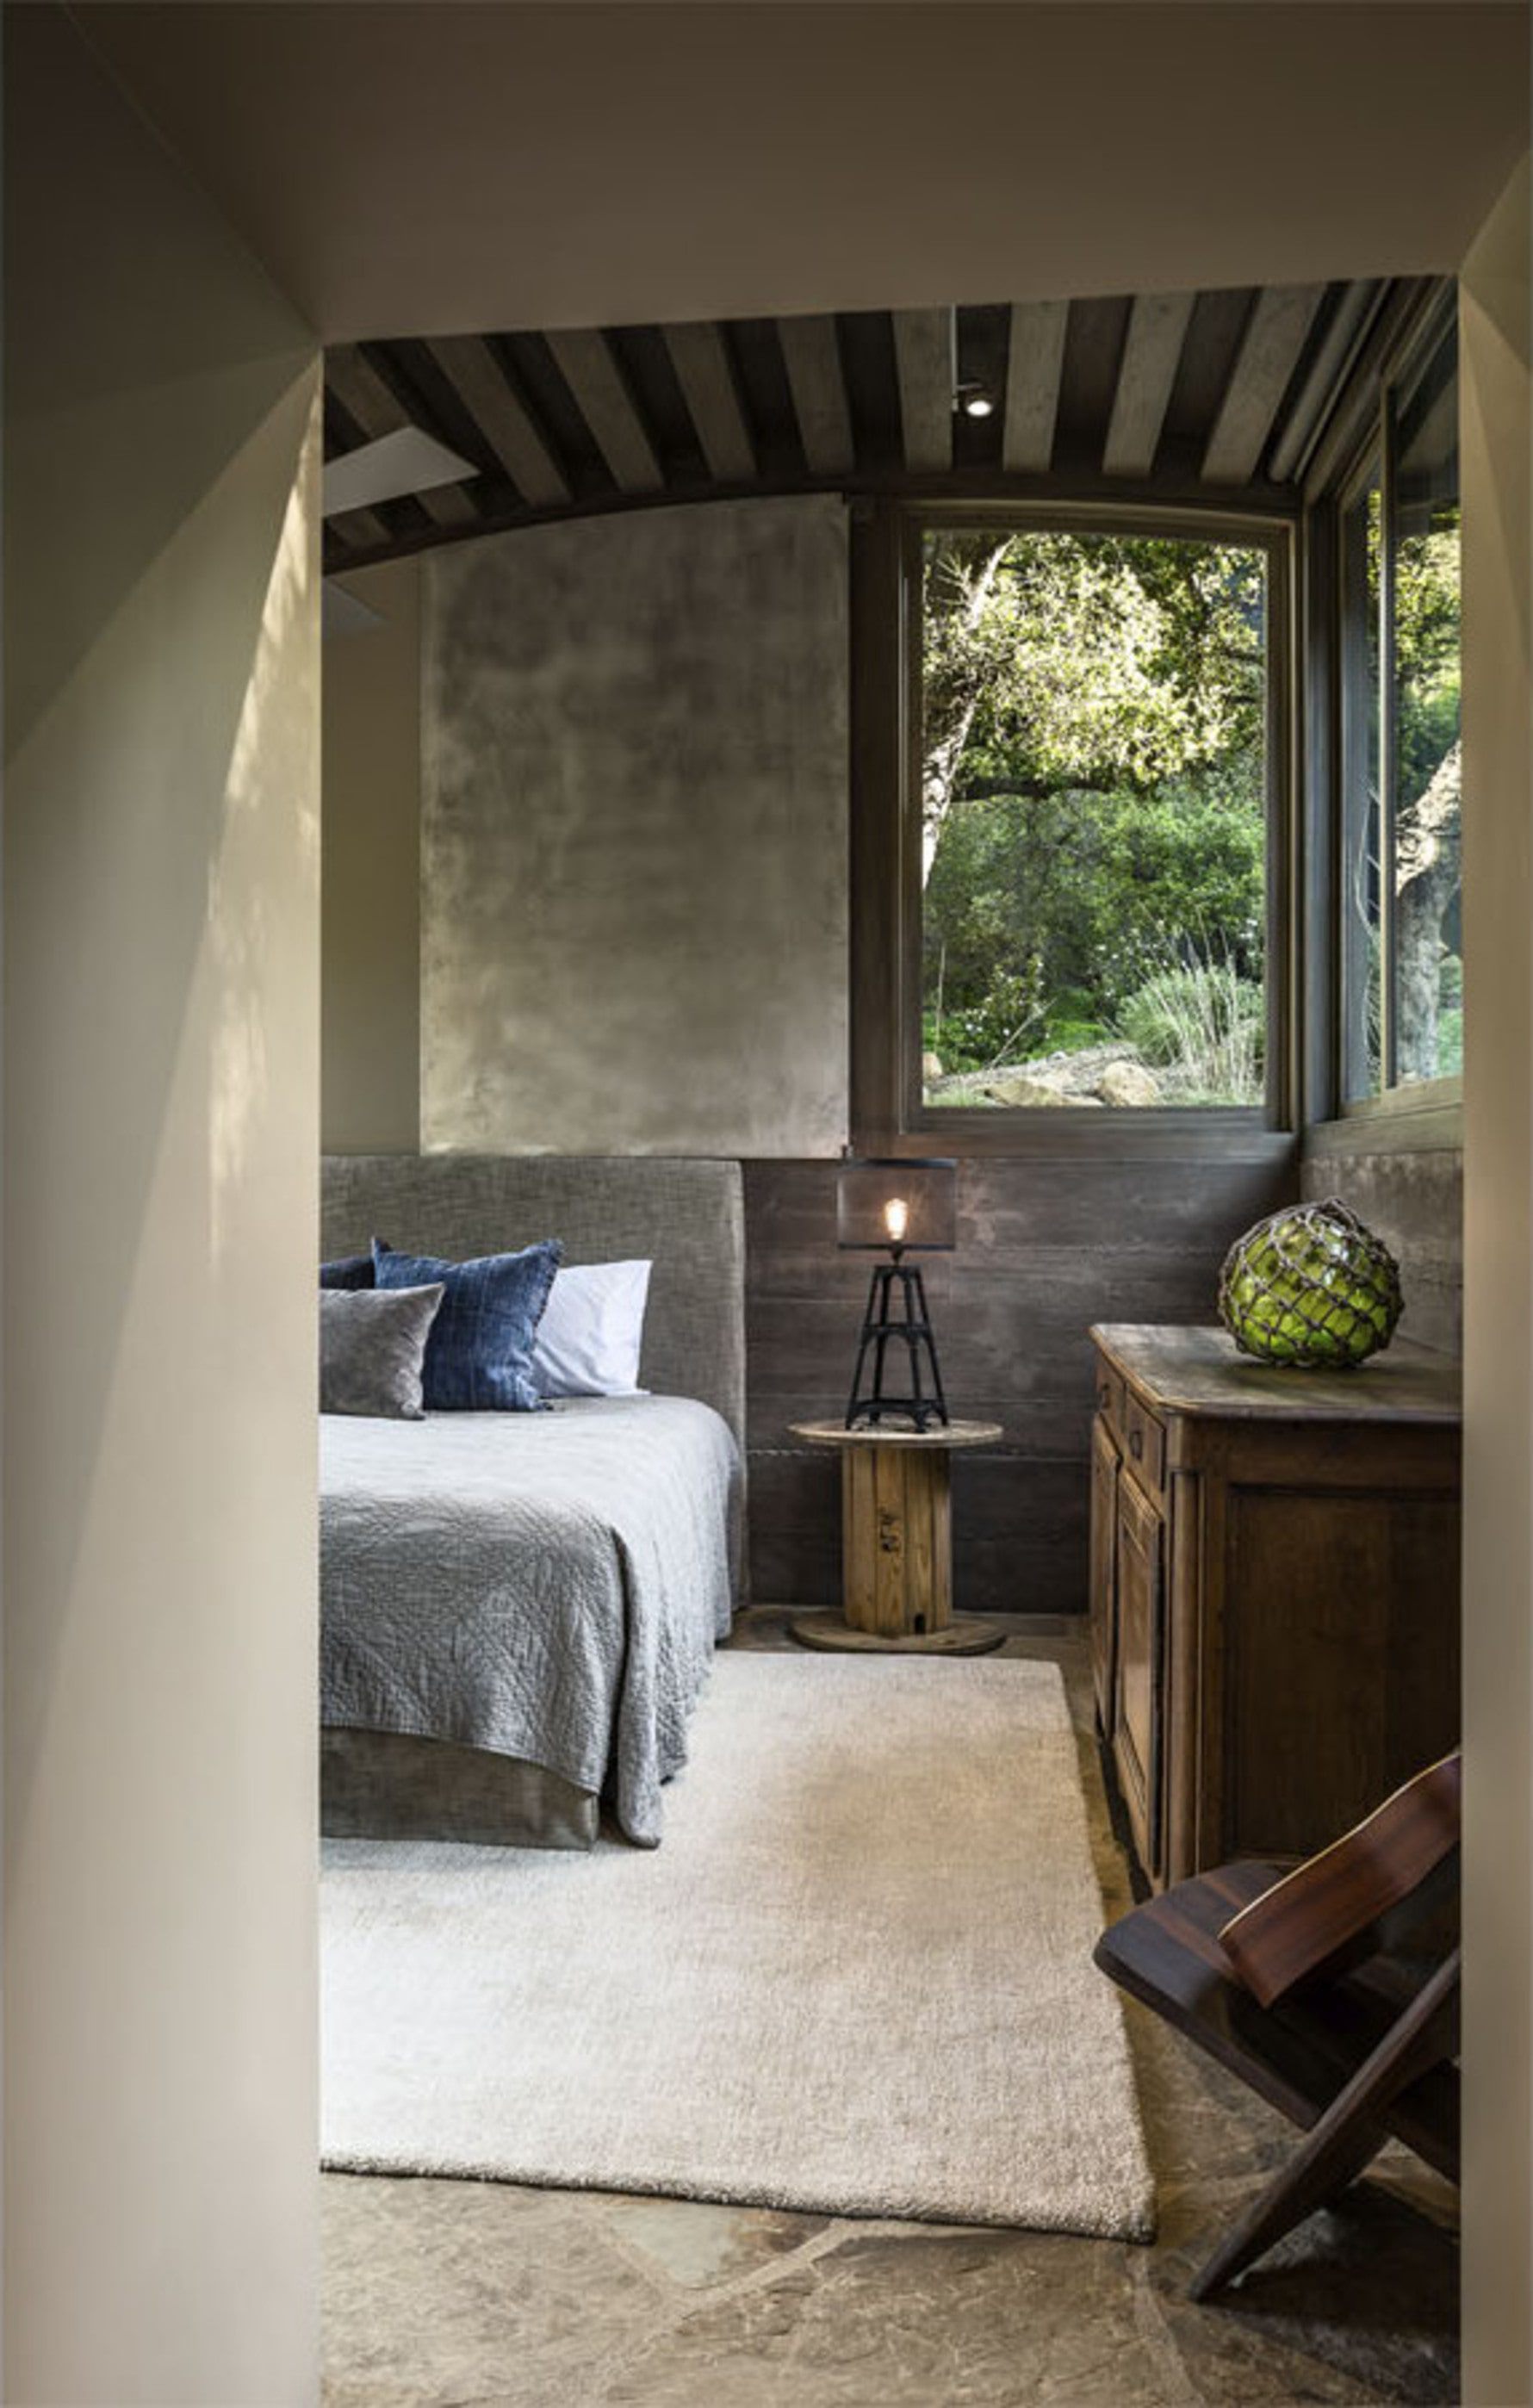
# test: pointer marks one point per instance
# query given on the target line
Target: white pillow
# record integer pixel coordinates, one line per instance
(588, 1340)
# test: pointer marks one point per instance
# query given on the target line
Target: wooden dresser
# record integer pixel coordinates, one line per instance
(1274, 1589)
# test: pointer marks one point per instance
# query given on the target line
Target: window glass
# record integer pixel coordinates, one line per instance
(1427, 981)
(1093, 715)
(1363, 828)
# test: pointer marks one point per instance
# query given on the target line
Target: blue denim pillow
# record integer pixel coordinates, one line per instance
(478, 1356)
(348, 1270)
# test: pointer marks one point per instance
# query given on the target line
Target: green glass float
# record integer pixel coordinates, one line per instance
(1310, 1286)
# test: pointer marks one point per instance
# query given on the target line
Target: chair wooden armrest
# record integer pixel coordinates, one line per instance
(1340, 1903)
(1295, 1981)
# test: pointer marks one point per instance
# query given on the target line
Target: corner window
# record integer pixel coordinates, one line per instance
(1401, 948)
(1090, 737)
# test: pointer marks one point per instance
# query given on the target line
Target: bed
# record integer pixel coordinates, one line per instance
(519, 1610)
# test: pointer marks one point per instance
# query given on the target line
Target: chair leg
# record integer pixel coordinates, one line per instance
(1337, 2147)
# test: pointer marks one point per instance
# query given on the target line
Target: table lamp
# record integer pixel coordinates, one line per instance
(901, 1208)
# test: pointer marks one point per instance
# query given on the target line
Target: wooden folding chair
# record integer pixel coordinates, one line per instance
(1332, 1989)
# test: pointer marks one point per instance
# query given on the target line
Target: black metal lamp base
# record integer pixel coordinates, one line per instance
(925, 1406)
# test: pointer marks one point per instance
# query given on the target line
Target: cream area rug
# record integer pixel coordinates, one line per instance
(856, 1977)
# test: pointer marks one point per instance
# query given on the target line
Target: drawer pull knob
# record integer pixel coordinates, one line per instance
(1136, 1444)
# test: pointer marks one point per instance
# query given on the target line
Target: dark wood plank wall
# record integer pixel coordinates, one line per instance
(1413, 1197)
(1045, 1248)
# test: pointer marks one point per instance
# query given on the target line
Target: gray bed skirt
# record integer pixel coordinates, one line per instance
(387, 1785)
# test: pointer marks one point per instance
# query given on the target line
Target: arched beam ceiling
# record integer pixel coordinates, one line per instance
(1204, 399)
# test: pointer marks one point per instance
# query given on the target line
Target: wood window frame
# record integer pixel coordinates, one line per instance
(888, 1113)
(1427, 1114)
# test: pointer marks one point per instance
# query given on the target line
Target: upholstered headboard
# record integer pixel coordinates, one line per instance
(687, 1217)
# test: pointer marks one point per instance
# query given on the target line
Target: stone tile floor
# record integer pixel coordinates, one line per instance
(478, 2295)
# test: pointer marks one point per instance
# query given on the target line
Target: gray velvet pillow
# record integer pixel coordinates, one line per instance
(372, 1346)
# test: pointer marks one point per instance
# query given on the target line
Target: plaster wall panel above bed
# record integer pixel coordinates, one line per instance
(634, 840)
(371, 886)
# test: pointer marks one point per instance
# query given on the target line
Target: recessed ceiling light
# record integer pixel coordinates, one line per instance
(978, 405)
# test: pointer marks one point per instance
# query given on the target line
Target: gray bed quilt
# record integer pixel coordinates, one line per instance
(548, 1585)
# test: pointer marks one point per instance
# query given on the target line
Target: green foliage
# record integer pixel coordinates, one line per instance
(1427, 651)
(1426, 639)
(1094, 780)
(1005, 1021)
(1066, 902)
(1092, 660)
(1203, 1027)
(1451, 1042)
(1449, 1023)
(1424, 705)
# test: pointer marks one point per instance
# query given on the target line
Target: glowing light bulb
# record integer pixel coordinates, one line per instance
(896, 1219)
(978, 405)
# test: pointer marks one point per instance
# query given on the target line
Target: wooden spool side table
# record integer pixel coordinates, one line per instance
(896, 1542)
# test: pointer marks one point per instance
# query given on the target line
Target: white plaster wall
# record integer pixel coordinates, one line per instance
(634, 851)
(160, 1142)
(1497, 434)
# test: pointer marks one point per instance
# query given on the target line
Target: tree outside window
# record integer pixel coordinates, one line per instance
(1094, 804)
(1402, 970)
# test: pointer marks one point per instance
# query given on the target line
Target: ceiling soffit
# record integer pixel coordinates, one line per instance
(443, 168)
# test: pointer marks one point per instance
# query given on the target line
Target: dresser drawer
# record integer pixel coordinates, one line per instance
(1144, 1444)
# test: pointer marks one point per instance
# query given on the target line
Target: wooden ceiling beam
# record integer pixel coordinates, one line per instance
(377, 410)
(706, 381)
(1034, 370)
(923, 358)
(584, 360)
(1157, 328)
(812, 358)
(503, 420)
(358, 530)
(1342, 340)
(1275, 335)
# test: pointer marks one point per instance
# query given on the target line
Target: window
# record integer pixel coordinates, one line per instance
(1402, 1013)
(1362, 812)
(1091, 771)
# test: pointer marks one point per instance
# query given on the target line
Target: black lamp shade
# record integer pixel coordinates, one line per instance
(897, 1208)
(910, 1204)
